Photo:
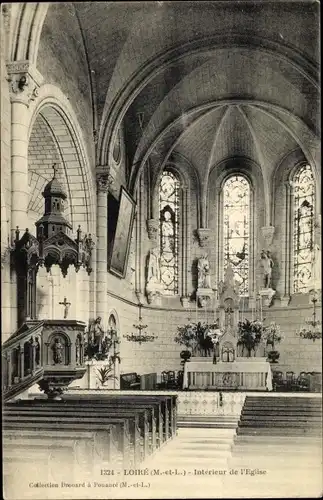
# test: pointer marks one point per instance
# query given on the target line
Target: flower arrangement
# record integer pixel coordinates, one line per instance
(199, 335)
(250, 334)
(272, 334)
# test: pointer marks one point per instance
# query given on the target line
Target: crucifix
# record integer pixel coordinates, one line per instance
(66, 307)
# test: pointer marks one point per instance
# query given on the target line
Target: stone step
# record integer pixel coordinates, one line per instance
(278, 431)
(208, 425)
(196, 446)
(282, 404)
(279, 423)
(252, 448)
(281, 418)
(288, 411)
(281, 440)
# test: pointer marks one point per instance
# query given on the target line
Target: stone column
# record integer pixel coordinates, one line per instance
(103, 183)
(24, 81)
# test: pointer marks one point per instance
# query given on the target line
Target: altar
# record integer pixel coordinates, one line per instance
(251, 374)
(238, 361)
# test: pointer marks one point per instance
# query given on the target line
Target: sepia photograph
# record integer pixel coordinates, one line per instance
(161, 289)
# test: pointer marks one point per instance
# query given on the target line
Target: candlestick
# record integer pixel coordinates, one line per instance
(196, 308)
(260, 298)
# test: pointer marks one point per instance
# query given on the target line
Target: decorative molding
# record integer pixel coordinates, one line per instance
(203, 235)
(267, 294)
(24, 80)
(104, 179)
(267, 233)
(185, 301)
(204, 296)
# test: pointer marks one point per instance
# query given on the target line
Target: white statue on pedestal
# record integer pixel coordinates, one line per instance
(267, 266)
(203, 267)
(153, 286)
(204, 290)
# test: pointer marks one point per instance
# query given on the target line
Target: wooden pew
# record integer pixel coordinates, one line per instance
(89, 417)
(45, 440)
(126, 430)
(147, 421)
(169, 402)
(80, 450)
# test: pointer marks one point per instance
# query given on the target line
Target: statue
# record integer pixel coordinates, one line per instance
(37, 349)
(153, 266)
(58, 351)
(153, 286)
(97, 333)
(267, 266)
(203, 268)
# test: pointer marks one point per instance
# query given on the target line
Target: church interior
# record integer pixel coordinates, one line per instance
(161, 249)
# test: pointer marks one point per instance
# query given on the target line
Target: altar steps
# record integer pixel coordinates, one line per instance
(294, 416)
(196, 448)
(207, 421)
(281, 437)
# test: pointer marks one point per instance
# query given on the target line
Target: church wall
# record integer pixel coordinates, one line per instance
(296, 354)
(8, 303)
(62, 62)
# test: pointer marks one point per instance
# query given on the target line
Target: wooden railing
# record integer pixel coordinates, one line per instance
(22, 359)
(50, 351)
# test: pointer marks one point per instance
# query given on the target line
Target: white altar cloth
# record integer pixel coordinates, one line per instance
(241, 374)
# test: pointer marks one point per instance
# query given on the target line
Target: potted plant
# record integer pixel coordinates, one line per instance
(185, 355)
(250, 334)
(272, 336)
(104, 374)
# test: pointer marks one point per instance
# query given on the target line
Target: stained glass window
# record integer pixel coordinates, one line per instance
(303, 237)
(168, 231)
(236, 236)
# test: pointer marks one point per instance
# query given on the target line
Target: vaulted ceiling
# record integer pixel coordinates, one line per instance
(209, 80)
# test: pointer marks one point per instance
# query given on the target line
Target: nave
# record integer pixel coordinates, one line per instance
(119, 446)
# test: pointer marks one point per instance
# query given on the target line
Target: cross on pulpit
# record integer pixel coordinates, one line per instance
(66, 307)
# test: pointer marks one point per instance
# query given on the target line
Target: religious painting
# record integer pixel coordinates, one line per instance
(122, 238)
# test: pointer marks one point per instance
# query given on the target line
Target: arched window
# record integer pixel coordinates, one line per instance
(236, 229)
(169, 231)
(303, 227)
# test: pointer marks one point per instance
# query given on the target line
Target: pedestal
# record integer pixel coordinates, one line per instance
(204, 296)
(154, 293)
(267, 295)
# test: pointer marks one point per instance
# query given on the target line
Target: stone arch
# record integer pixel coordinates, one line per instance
(113, 314)
(53, 114)
(112, 117)
(282, 213)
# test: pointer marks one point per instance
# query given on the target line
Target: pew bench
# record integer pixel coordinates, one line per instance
(127, 433)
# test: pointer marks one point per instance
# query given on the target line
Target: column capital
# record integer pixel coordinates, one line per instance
(24, 81)
(104, 178)
(203, 235)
